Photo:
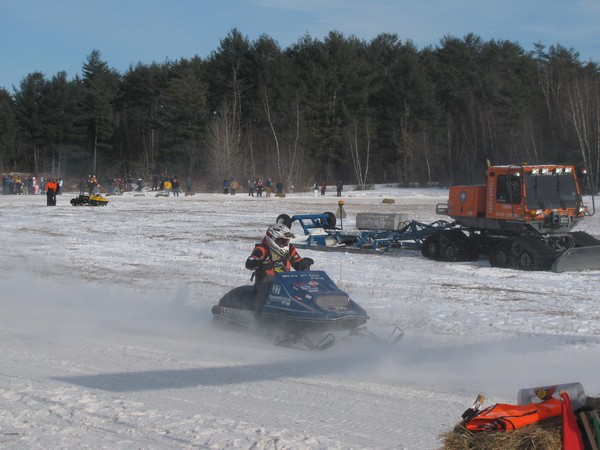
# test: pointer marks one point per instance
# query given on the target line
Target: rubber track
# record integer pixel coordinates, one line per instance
(543, 256)
(583, 239)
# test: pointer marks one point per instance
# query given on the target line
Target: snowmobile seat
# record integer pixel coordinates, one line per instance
(242, 297)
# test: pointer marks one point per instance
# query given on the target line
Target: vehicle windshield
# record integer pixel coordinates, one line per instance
(551, 191)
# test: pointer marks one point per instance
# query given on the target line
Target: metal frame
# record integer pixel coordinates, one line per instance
(374, 240)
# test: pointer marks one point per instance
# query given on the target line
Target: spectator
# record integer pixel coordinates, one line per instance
(188, 185)
(175, 186)
(234, 186)
(251, 186)
(340, 187)
(91, 183)
(51, 188)
(167, 186)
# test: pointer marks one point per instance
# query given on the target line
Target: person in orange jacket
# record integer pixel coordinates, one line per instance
(272, 255)
(51, 190)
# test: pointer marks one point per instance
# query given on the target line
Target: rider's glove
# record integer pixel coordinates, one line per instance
(305, 263)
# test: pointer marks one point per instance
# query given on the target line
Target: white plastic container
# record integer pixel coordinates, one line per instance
(541, 393)
(380, 221)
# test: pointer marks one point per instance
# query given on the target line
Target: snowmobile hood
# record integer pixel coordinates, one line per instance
(311, 296)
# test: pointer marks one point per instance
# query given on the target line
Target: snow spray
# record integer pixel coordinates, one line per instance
(539, 394)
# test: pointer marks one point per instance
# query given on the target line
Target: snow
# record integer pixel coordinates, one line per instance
(106, 336)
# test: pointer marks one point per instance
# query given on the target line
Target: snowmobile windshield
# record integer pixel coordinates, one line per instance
(551, 191)
(332, 301)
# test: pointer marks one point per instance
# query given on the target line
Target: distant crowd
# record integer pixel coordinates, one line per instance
(167, 184)
(163, 184)
(256, 186)
(26, 185)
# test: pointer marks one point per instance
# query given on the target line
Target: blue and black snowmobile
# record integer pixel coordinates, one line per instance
(299, 304)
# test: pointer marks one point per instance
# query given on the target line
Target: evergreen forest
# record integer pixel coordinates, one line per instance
(340, 108)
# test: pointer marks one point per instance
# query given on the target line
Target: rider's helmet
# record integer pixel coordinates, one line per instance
(278, 237)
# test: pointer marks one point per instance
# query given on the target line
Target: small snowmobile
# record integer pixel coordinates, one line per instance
(300, 304)
(89, 200)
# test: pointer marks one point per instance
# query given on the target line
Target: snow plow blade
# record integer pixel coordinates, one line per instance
(578, 258)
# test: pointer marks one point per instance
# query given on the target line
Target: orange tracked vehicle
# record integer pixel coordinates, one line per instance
(521, 218)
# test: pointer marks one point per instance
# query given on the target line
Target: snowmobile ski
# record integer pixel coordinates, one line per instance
(305, 343)
(395, 336)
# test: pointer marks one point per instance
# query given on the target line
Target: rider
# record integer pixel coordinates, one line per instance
(273, 254)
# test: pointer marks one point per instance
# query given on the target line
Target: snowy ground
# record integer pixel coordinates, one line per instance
(106, 339)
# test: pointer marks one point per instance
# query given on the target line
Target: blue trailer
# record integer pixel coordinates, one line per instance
(322, 234)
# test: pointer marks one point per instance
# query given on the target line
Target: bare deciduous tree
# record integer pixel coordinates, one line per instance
(360, 152)
(584, 110)
(223, 141)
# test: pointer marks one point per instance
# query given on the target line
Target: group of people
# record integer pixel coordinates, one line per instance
(17, 185)
(230, 186)
(256, 186)
(259, 186)
(29, 185)
(322, 188)
(170, 184)
(90, 184)
(114, 185)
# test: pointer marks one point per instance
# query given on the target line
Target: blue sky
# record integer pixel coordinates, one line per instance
(55, 35)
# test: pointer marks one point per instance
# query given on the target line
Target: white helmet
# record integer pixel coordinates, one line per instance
(278, 237)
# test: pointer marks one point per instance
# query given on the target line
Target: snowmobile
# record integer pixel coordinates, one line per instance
(89, 200)
(300, 305)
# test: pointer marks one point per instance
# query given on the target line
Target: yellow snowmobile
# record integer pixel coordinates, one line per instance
(89, 200)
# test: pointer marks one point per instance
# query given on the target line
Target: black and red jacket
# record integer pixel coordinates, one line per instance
(264, 263)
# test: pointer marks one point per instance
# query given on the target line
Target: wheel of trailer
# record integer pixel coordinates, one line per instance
(331, 220)
(284, 219)
(501, 256)
(430, 247)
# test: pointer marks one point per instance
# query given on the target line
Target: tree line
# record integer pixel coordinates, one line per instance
(379, 111)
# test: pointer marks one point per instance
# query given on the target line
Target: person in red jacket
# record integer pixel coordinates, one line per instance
(272, 255)
(51, 190)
